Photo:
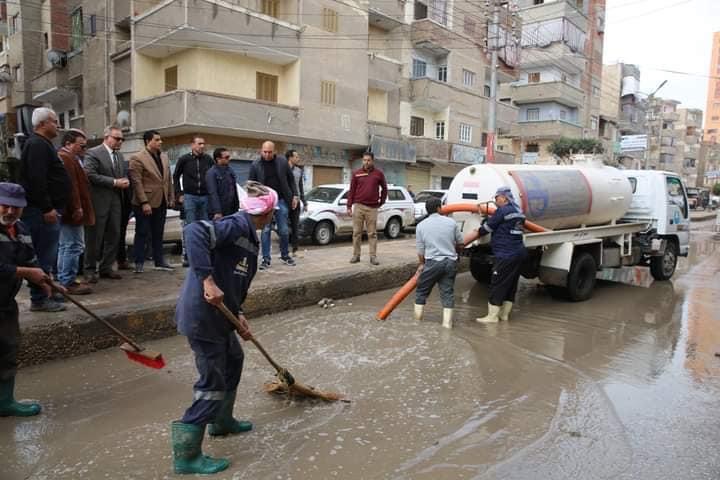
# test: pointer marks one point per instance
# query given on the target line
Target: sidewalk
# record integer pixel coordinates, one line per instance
(703, 215)
(143, 305)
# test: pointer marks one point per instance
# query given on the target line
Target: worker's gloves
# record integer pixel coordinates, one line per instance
(244, 328)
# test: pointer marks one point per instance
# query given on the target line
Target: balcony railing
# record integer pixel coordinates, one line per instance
(560, 92)
(546, 129)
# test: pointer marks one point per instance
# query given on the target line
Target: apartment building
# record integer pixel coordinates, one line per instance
(559, 86)
(688, 138)
(712, 110)
(662, 143)
(622, 108)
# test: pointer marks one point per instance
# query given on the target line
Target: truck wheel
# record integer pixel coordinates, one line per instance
(481, 271)
(323, 233)
(662, 268)
(581, 277)
(393, 228)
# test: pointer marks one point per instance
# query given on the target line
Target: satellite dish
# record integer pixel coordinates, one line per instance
(123, 118)
(57, 58)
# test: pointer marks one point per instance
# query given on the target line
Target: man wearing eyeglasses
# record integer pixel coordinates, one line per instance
(105, 167)
(79, 212)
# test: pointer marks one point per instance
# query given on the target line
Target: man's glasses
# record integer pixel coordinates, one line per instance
(119, 139)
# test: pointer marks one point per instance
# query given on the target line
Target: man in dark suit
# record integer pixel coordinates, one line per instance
(273, 170)
(106, 171)
(153, 194)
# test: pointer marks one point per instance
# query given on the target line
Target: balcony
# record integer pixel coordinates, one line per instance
(555, 54)
(563, 9)
(385, 14)
(383, 73)
(431, 37)
(121, 14)
(437, 96)
(506, 116)
(546, 129)
(55, 86)
(186, 111)
(560, 92)
(174, 26)
(670, 116)
(430, 150)
(385, 130)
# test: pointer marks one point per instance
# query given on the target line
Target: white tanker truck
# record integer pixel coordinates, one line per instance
(604, 223)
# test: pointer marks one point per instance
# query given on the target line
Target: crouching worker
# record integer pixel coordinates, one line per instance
(223, 261)
(438, 241)
(506, 226)
(17, 262)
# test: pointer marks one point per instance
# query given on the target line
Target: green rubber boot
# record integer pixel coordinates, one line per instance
(224, 423)
(9, 407)
(187, 451)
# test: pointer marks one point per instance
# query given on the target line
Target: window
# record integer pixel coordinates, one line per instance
(534, 77)
(266, 87)
(61, 120)
(330, 20)
(419, 68)
(595, 91)
(563, 77)
(469, 26)
(532, 148)
(440, 130)
(417, 127)
(563, 114)
(17, 73)
(171, 78)
(93, 25)
(715, 118)
(46, 40)
(15, 24)
(468, 78)
(76, 36)
(593, 123)
(420, 11)
(465, 133)
(442, 73)
(71, 113)
(676, 195)
(395, 195)
(269, 7)
(533, 114)
(486, 90)
(327, 92)
(483, 139)
(538, 2)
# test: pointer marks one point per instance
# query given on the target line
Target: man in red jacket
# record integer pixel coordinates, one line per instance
(368, 192)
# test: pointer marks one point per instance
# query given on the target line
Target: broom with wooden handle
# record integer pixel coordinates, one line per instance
(287, 381)
(134, 352)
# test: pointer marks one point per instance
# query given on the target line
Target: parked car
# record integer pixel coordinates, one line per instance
(326, 214)
(423, 197)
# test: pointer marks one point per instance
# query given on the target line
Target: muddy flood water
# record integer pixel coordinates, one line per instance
(623, 386)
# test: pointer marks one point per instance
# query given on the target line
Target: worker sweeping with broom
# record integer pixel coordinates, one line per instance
(223, 261)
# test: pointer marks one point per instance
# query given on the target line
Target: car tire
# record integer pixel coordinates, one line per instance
(393, 228)
(663, 267)
(324, 233)
(481, 271)
(581, 277)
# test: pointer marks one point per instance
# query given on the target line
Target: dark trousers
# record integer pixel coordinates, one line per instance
(9, 341)
(125, 211)
(45, 239)
(294, 216)
(220, 367)
(442, 273)
(504, 281)
(153, 225)
(101, 239)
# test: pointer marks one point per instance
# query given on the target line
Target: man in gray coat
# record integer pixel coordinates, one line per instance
(107, 173)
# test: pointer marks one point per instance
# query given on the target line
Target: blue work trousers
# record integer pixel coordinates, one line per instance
(220, 367)
(196, 208)
(71, 246)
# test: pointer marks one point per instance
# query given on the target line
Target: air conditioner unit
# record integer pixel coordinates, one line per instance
(57, 58)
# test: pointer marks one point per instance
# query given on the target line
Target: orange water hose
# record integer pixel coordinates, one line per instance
(410, 285)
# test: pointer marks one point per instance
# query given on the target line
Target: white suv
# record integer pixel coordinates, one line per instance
(326, 214)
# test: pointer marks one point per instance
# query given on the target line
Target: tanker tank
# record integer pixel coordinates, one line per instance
(562, 196)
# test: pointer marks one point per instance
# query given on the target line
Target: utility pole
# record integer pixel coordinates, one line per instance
(492, 110)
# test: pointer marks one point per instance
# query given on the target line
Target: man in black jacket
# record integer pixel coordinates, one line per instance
(296, 168)
(47, 186)
(193, 194)
(273, 170)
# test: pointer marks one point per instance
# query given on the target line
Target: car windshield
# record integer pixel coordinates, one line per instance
(323, 194)
(425, 196)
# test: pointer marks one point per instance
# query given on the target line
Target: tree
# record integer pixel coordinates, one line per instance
(716, 189)
(564, 147)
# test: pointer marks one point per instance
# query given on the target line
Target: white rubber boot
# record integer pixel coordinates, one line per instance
(447, 317)
(492, 316)
(504, 314)
(418, 312)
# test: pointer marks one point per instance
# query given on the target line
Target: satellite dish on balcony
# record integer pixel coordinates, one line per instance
(123, 118)
(57, 58)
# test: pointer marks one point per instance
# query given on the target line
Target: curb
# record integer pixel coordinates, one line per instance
(69, 338)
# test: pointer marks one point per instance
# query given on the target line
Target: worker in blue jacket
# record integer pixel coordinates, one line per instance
(223, 260)
(506, 227)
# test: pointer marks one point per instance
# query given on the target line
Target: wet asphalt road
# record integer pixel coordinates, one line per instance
(623, 386)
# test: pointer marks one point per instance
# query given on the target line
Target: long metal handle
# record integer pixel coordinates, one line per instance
(82, 307)
(234, 320)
